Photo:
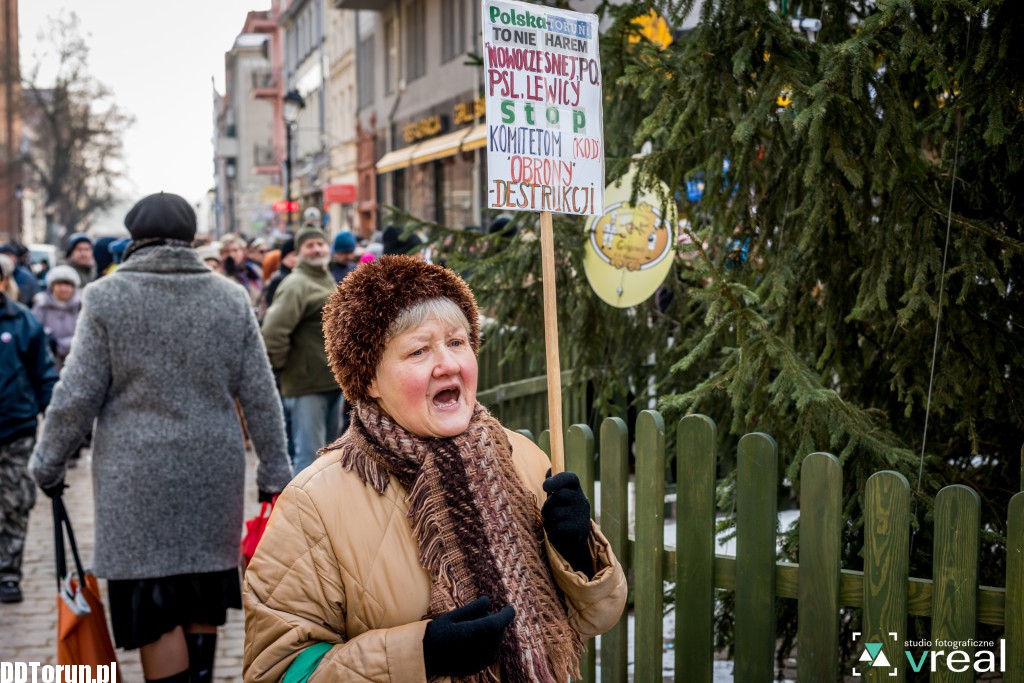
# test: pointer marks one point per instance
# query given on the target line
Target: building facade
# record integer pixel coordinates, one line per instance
(245, 162)
(420, 104)
(11, 187)
(341, 192)
(303, 25)
(394, 113)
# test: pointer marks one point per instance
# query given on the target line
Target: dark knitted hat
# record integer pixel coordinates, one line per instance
(308, 234)
(162, 215)
(344, 243)
(394, 244)
(359, 313)
(76, 239)
(287, 247)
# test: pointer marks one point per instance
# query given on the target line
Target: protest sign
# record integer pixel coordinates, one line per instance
(545, 136)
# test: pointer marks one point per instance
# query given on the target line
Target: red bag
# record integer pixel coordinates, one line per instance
(82, 634)
(254, 531)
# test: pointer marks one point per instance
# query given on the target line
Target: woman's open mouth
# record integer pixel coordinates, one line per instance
(447, 397)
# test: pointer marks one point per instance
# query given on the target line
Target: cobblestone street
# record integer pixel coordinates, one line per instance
(28, 629)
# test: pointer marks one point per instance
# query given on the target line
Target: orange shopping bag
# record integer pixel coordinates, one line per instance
(82, 634)
(254, 528)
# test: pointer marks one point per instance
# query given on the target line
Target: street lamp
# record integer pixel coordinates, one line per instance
(292, 106)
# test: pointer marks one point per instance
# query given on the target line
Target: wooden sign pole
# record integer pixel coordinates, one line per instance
(554, 370)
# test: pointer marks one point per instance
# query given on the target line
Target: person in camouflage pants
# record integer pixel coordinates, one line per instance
(17, 496)
(27, 376)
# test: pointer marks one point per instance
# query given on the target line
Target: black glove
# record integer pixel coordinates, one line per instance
(566, 515)
(466, 640)
(54, 491)
(267, 496)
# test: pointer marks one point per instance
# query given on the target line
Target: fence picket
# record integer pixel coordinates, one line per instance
(1015, 590)
(955, 574)
(696, 439)
(952, 599)
(650, 542)
(821, 528)
(615, 527)
(886, 568)
(756, 519)
(579, 458)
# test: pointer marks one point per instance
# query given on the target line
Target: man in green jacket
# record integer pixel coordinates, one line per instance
(293, 332)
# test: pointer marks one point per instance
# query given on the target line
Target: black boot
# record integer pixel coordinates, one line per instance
(202, 648)
(10, 591)
(176, 678)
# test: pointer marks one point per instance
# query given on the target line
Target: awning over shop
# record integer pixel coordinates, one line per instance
(462, 140)
(396, 159)
(476, 138)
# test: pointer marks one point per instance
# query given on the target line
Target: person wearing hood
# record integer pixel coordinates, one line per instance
(27, 377)
(117, 250)
(162, 350)
(80, 256)
(28, 285)
(57, 310)
(101, 254)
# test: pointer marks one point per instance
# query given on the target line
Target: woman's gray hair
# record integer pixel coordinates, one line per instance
(444, 310)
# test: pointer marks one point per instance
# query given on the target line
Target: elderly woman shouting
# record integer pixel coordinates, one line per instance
(427, 541)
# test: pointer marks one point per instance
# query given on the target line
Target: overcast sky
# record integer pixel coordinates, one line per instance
(159, 59)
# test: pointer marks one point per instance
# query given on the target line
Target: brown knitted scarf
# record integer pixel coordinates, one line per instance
(479, 532)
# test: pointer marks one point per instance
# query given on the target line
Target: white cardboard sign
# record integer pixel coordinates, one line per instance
(545, 133)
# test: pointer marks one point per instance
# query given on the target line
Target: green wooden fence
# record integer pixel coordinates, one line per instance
(515, 389)
(888, 596)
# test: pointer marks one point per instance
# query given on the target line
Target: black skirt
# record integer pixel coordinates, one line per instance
(142, 610)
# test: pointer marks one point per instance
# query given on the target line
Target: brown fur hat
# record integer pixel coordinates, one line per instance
(359, 313)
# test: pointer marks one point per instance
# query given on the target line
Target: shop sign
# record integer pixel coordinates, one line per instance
(545, 134)
(340, 193)
(284, 206)
(468, 112)
(271, 193)
(424, 128)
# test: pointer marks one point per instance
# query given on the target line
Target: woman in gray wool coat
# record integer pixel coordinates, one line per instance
(162, 349)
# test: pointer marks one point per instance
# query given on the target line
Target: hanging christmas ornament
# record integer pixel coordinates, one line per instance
(629, 247)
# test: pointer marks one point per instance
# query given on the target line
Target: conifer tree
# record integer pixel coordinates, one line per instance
(848, 275)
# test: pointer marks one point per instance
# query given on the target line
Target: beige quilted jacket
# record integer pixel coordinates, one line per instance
(338, 564)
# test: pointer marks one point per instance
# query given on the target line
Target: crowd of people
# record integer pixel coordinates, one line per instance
(171, 356)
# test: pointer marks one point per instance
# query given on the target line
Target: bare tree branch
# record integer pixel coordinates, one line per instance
(75, 129)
